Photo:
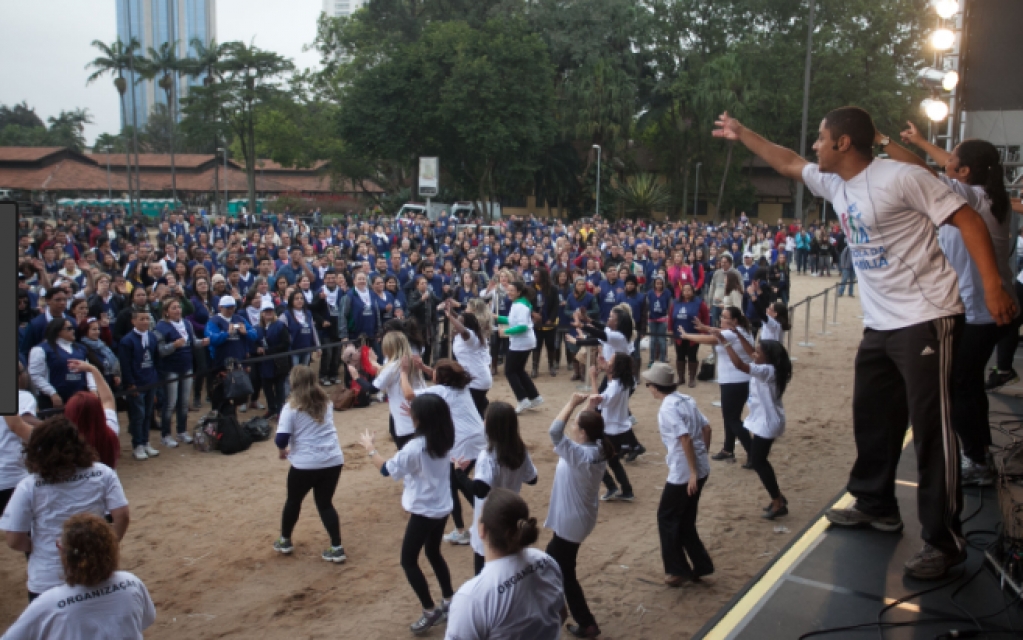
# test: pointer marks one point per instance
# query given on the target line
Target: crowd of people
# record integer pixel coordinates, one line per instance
(421, 314)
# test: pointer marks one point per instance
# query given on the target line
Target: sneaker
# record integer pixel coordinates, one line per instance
(999, 379)
(610, 495)
(185, 438)
(333, 381)
(523, 405)
(458, 537)
(244, 408)
(977, 475)
(283, 545)
(856, 518)
(150, 451)
(196, 405)
(169, 442)
(536, 402)
(773, 513)
(930, 563)
(260, 406)
(592, 631)
(634, 453)
(428, 620)
(747, 464)
(627, 497)
(723, 455)
(324, 382)
(140, 453)
(334, 554)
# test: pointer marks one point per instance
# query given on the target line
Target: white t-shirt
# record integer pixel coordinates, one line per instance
(766, 413)
(517, 596)
(520, 314)
(727, 373)
(770, 330)
(27, 404)
(490, 471)
(118, 608)
(470, 438)
(12, 463)
(971, 287)
(112, 422)
(677, 417)
(616, 343)
(614, 408)
(475, 358)
(790, 243)
(388, 380)
(572, 513)
(888, 212)
(41, 508)
(427, 480)
(313, 444)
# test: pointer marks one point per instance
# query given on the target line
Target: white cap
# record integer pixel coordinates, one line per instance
(266, 305)
(225, 301)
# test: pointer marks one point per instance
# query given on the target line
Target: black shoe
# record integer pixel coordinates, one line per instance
(626, 496)
(634, 453)
(747, 464)
(723, 455)
(592, 631)
(772, 513)
(784, 501)
(998, 379)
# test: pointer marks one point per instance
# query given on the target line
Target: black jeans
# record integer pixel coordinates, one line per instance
(515, 371)
(759, 448)
(676, 524)
(565, 554)
(330, 359)
(425, 532)
(323, 483)
(498, 347)
(546, 336)
(201, 362)
(274, 390)
(614, 465)
(902, 377)
(686, 351)
(733, 398)
(456, 504)
(479, 398)
(257, 385)
(969, 400)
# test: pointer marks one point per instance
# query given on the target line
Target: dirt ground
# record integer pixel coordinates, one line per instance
(203, 524)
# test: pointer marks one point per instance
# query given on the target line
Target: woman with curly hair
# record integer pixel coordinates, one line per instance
(65, 478)
(107, 603)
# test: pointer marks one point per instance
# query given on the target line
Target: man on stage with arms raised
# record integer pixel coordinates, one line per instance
(912, 315)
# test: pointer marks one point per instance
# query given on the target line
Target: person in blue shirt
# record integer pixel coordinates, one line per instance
(138, 355)
(56, 307)
(365, 315)
(579, 298)
(658, 303)
(747, 269)
(230, 336)
(636, 300)
(176, 342)
(272, 337)
(610, 294)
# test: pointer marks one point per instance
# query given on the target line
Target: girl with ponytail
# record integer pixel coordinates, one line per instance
(519, 593)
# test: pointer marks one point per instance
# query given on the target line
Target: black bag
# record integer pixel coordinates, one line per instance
(258, 429)
(236, 382)
(231, 437)
(706, 369)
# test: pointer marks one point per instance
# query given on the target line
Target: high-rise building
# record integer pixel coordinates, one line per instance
(154, 22)
(338, 8)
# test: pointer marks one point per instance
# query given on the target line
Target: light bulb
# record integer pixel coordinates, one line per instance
(936, 110)
(946, 8)
(942, 39)
(950, 81)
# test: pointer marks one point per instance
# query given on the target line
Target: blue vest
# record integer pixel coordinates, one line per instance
(272, 335)
(301, 337)
(683, 314)
(181, 360)
(236, 346)
(64, 381)
(611, 295)
(658, 305)
(636, 304)
(572, 303)
(365, 318)
(138, 365)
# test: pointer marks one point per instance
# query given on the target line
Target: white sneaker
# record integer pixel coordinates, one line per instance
(536, 402)
(140, 453)
(259, 405)
(150, 451)
(523, 405)
(184, 437)
(243, 408)
(324, 382)
(456, 537)
(169, 442)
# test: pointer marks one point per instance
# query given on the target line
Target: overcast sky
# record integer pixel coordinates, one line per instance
(47, 43)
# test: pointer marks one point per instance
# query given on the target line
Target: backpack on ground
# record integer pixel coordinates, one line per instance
(205, 439)
(258, 429)
(707, 369)
(231, 437)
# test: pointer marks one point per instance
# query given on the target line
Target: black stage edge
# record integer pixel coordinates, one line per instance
(828, 578)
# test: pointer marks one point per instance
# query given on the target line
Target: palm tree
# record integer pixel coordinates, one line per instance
(207, 63)
(641, 195)
(164, 62)
(114, 61)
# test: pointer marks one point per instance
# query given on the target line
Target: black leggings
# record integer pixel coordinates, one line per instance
(733, 398)
(5, 497)
(549, 338)
(614, 465)
(477, 563)
(686, 351)
(759, 448)
(479, 398)
(565, 554)
(515, 371)
(425, 532)
(456, 504)
(323, 483)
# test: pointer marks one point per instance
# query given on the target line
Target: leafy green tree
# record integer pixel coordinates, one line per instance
(114, 61)
(641, 195)
(21, 115)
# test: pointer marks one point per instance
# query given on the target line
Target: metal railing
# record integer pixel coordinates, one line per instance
(807, 303)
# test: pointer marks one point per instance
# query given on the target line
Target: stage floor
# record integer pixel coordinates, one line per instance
(830, 577)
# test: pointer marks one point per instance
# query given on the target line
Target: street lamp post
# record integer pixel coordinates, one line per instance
(696, 191)
(597, 147)
(806, 106)
(110, 195)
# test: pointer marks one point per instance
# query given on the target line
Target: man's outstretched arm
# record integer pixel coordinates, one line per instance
(785, 161)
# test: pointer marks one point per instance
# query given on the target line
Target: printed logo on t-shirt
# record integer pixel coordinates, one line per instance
(521, 575)
(97, 593)
(858, 232)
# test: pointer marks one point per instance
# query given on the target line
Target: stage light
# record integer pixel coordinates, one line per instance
(950, 81)
(942, 39)
(936, 110)
(946, 8)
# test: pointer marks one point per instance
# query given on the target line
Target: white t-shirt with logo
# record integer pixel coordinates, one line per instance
(470, 438)
(489, 470)
(313, 443)
(41, 508)
(427, 479)
(727, 373)
(614, 408)
(514, 597)
(388, 380)
(118, 608)
(766, 412)
(572, 513)
(475, 357)
(677, 417)
(888, 212)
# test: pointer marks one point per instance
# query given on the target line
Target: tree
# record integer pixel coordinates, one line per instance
(21, 115)
(641, 195)
(164, 62)
(200, 124)
(114, 60)
(68, 129)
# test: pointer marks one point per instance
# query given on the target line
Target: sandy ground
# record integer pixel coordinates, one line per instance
(203, 524)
